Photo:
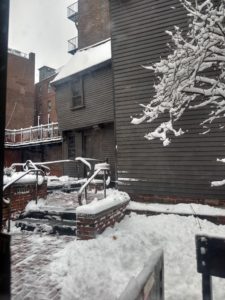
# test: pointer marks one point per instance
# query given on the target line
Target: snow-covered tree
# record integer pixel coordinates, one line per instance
(193, 75)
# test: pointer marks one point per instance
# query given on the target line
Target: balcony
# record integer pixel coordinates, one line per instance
(42, 134)
(73, 45)
(72, 12)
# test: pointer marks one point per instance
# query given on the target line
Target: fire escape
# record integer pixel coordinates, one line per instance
(72, 14)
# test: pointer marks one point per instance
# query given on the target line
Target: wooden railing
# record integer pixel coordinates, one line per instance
(32, 135)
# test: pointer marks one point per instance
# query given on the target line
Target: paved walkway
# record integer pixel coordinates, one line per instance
(31, 255)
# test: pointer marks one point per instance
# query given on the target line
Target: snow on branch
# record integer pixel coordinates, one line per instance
(182, 83)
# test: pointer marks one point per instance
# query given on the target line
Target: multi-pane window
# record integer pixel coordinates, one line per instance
(77, 93)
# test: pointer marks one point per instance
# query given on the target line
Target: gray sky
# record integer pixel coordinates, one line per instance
(42, 27)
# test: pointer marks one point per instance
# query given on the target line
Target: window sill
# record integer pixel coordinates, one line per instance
(77, 107)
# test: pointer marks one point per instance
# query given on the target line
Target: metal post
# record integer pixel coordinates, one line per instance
(206, 287)
(104, 182)
(85, 194)
(36, 187)
(9, 219)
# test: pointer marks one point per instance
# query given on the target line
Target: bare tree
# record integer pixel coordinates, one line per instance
(182, 80)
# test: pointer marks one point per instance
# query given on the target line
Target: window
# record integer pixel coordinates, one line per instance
(49, 106)
(77, 93)
(49, 87)
(71, 146)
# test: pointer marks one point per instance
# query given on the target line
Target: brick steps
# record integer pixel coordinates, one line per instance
(50, 221)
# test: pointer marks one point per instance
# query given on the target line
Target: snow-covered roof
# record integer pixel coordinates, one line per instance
(85, 58)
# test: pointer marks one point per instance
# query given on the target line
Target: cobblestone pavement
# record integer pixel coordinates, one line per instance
(31, 255)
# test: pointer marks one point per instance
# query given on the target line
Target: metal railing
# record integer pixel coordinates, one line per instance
(31, 135)
(11, 182)
(73, 45)
(149, 283)
(72, 9)
(102, 168)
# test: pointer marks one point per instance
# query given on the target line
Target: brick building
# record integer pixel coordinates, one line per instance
(20, 90)
(31, 119)
(45, 108)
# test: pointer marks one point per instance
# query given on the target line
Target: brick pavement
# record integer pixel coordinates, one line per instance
(31, 255)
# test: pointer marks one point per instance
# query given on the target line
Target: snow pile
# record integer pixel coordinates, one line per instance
(182, 208)
(54, 181)
(113, 198)
(32, 205)
(101, 268)
(86, 58)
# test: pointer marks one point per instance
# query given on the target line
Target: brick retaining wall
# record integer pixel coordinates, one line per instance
(170, 199)
(20, 195)
(89, 225)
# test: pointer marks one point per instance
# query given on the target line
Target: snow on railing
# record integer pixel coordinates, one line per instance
(32, 135)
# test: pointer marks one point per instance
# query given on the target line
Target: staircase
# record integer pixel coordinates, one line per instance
(50, 220)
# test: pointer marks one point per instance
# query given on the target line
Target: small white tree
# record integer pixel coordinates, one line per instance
(182, 83)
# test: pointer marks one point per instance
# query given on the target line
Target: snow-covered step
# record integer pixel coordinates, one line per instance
(50, 213)
(66, 227)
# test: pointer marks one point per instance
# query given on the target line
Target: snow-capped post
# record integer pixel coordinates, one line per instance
(184, 78)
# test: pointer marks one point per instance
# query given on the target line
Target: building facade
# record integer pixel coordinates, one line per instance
(184, 170)
(31, 120)
(84, 88)
(20, 89)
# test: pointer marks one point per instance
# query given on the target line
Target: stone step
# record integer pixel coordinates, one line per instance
(50, 213)
(49, 226)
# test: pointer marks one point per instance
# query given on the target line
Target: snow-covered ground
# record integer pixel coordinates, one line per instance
(101, 268)
(181, 208)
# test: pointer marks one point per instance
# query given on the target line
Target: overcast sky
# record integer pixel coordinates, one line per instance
(42, 27)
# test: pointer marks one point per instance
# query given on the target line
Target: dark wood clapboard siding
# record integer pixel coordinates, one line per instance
(187, 166)
(98, 101)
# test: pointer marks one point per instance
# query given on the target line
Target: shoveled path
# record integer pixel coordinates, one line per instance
(31, 255)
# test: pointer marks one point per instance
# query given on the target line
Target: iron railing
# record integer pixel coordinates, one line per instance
(72, 10)
(11, 182)
(73, 45)
(99, 169)
(32, 135)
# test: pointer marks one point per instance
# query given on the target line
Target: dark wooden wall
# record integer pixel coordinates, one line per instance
(98, 101)
(98, 143)
(185, 168)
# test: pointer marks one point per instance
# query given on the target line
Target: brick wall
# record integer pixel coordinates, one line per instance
(48, 152)
(20, 195)
(93, 22)
(45, 102)
(20, 91)
(88, 226)
(175, 199)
